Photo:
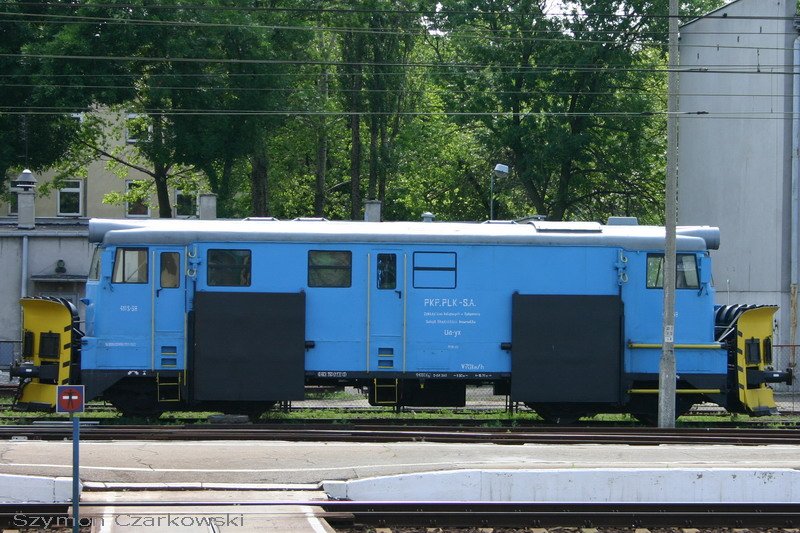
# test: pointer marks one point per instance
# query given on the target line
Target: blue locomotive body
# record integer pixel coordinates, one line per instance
(237, 315)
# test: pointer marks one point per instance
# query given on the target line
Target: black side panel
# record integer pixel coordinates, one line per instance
(566, 348)
(248, 346)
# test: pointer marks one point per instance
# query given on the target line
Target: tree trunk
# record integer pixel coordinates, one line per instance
(355, 166)
(258, 184)
(322, 149)
(353, 53)
(322, 168)
(383, 170)
(160, 169)
(160, 175)
(374, 162)
(224, 207)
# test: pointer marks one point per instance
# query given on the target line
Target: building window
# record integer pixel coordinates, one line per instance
(136, 128)
(185, 204)
(130, 265)
(70, 198)
(329, 268)
(13, 205)
(136, 208)
(685, 275)
(229, 268)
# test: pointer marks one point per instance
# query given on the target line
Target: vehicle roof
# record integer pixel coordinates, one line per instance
(536, 233)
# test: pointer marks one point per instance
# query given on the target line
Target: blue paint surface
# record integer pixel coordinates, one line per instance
(449, 311)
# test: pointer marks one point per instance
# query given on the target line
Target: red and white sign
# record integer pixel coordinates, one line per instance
(69, 399)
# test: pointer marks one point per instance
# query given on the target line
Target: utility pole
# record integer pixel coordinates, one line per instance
(666, 374)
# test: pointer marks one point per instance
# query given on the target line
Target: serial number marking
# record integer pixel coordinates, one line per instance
(129, 308)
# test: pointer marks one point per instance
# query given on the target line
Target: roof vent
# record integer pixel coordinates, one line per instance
(427, 216)
(530, 218)
(622, 221)
(566, 227)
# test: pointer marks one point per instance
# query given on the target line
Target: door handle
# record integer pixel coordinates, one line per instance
(399, 294)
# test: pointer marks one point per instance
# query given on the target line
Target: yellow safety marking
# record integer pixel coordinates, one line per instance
(391, 385)
(46, 316)
(640, 345)
(679, 391)
(754, 323)
(176, 385)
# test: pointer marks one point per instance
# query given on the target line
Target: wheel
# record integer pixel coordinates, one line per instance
(645, 410)
(135, 399)
(559, 414)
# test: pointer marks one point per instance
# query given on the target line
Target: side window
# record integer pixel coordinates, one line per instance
(130, 266)
(94, 268)
(434, 270)
(170, 267)
(685, 274)
(387, 271)
(330, 268)
(229, 268)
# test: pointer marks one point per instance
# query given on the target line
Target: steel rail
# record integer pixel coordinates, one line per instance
(484, 514)
(514, 435)
(591, 515)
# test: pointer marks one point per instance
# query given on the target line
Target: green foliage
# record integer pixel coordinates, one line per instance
(307, 106)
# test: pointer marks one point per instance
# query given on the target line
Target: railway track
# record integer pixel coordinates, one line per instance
(537, 515)
(347, 514)
(380, 433)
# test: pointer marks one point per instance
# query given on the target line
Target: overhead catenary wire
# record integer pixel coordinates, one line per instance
(422, 12)
(718, 68)
(492, 35)
(394, 91)
(42, 110)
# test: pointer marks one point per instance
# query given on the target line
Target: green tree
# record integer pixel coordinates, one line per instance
(30, 134)
(565, 92)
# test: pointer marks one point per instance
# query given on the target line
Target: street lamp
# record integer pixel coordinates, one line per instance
(501, 171)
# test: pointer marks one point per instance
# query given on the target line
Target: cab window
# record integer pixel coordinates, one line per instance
(94, 269)
(170, 266)
(387, 271)
(685, 272)
(130, 265)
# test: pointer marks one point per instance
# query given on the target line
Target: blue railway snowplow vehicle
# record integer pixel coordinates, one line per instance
(237, 315)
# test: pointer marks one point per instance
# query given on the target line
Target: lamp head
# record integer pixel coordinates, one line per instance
(501, 170)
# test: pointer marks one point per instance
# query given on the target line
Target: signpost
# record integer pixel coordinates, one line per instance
(70, 399)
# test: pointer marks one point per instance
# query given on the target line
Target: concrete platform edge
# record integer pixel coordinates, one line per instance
(590, 485)
(15, 488)
(109, 486)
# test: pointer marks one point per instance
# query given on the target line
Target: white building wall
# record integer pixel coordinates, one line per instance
(44, 250)
(10, 254)
(735, 161)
